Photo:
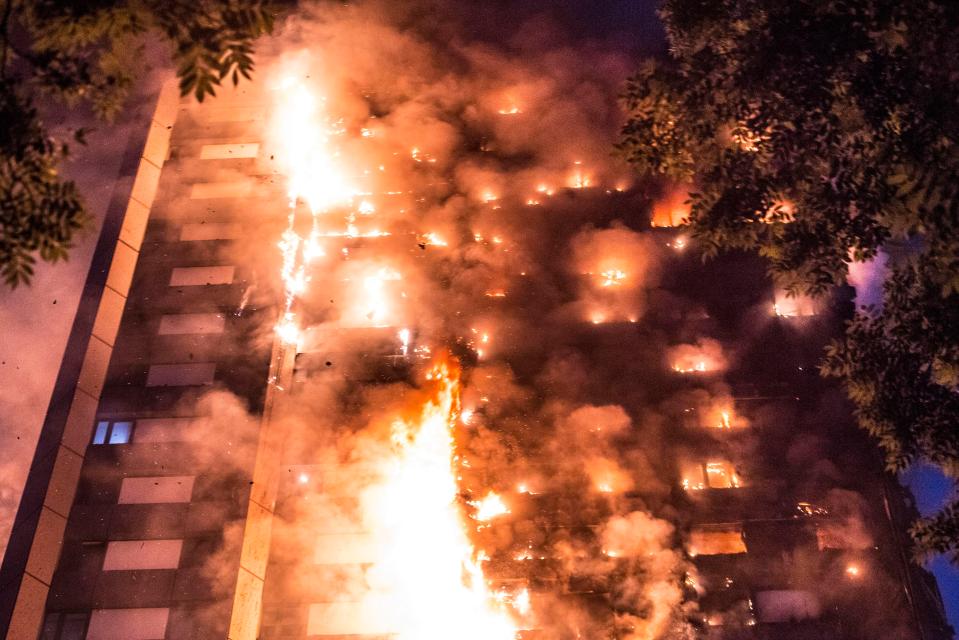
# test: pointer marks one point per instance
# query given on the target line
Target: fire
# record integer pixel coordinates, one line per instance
(303, 132)
(706, 355)
(430, 574)
(612, 277)
(376, 307)
(308, 160)
(673, 209)
(489, 507)
(433, 239)
(724, 421)
(696, 367)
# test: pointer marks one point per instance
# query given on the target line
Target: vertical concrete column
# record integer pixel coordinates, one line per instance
(37, 535)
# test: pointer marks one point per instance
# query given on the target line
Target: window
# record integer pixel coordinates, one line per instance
(198, 276)
(718, 474)
(721, 475)
(798, 306)
(142, 554)
(128, 624)
(108, 432)
(156, 489)
(64, 626)
(181, 375)
(712, 540)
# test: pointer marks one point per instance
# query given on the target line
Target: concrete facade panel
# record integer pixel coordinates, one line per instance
(108, 316)
(94, 368)
(136, 521)
(122, 268)
(200, 276)
(63, 482)
(28, 612)
(158, 145)
(128, 624)
(202, 231)
(125, 555)
(156, 489)
(215, 190)
(229, 151)
(135, 224)
(45, 550)
(146, 182)
(181, 375)
(80, 419)
(166, 430)
(192, 323)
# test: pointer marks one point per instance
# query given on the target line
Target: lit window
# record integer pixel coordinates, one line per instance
(120, 433)
(100, 435)
(113, 432)
(709, 475)
(716, 540)
(721, 475)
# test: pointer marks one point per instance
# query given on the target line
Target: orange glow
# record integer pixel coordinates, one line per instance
(433, 239)
(704, 356)
(489, 507)
(853, 570)
(672, 210)
(612, 278)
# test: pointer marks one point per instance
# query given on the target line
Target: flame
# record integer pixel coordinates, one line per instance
(376, 306)
(431, 574)
(697, 367)
(303, 131)
(433, 239)
(490, 507)
(612, 277)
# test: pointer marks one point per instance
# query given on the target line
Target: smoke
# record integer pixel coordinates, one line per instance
(456, 195)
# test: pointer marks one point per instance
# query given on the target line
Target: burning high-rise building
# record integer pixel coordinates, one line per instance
(385, 345)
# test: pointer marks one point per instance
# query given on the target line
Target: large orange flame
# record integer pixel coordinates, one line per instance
(428, 570)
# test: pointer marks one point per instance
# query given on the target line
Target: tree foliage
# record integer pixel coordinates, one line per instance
(90, 52)
(817, 132)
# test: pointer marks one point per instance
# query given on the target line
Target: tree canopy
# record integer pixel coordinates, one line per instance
(818, 132)
(89, 52)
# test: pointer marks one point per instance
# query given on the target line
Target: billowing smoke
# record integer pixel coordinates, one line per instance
(454, 199)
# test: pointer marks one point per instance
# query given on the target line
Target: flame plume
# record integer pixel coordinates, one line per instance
(429, 572)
